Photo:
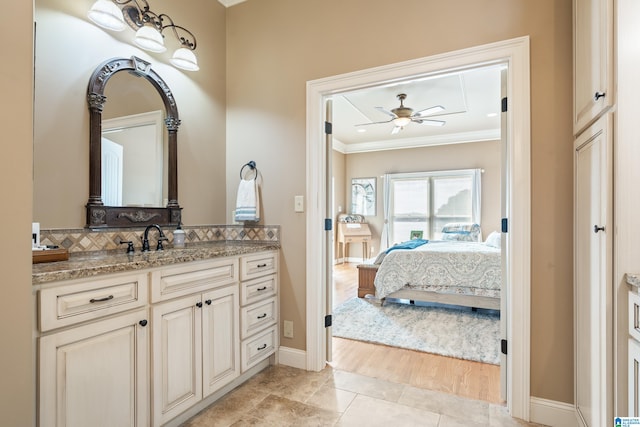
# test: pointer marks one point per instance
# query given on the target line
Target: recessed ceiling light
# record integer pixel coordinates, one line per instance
(361, 130)
(492, 114)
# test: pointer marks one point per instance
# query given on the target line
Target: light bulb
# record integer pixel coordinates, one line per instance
(105, 14)
(148, 38)
(185, 59)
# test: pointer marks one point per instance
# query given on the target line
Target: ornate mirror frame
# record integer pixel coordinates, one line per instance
(98, 215)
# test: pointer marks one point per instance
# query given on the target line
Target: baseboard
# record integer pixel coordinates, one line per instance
(292, 357)
(552, 413)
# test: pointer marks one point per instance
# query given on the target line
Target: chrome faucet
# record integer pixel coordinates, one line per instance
(145, 238)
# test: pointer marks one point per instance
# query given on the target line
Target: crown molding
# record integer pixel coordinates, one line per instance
(229, 3)
(457, 138)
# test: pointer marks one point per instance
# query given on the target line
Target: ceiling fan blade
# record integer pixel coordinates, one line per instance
(429, 111)
(428, 122)
(388, 113)
(395, 130)
(373, 123)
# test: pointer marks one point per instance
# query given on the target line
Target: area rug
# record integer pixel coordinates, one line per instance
(459, 333)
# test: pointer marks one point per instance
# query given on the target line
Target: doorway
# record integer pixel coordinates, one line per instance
(515, 53)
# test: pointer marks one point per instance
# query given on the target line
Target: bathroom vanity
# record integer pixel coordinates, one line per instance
(152, 338)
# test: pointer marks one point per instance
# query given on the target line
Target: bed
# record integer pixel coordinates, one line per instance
(453, 271)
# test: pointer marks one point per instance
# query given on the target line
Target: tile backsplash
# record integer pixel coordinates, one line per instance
(82, 239)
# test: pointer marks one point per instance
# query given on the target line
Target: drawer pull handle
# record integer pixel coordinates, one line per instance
(92, 300)
(208, 302)
(143, 322)
(264, 288)
(596, 228)
(262, 316)
(261, 265)
(598, 95)
(262, 347)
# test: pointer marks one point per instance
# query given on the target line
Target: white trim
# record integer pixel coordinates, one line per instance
(552, 413)
(515, 53)
(292, 357)
(229, 3)
(417, 142)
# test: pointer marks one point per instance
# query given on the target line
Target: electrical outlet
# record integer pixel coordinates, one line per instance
(288, 329)
(298, 203)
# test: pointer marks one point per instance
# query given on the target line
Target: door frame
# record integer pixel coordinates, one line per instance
(513, 52)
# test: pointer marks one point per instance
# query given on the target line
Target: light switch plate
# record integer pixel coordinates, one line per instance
(298, 203)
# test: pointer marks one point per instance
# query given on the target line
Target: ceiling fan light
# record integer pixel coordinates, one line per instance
(148, 38)
(401, 121)
(185, 59)
(105, 14)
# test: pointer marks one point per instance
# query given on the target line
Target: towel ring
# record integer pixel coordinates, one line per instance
(252, 166)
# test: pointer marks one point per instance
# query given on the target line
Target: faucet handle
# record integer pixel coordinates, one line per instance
(160, 239)
(129, 243)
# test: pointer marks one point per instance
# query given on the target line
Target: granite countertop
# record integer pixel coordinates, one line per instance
(89, 264)
(633, 280)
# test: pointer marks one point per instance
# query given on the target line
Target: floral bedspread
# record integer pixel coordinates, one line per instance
(469, 268)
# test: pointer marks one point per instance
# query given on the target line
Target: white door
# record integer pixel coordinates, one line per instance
(177, 357)
(96, 374)
(504, 212)
(112, 171)
(592, 276)
(328, 242)
(220, 338)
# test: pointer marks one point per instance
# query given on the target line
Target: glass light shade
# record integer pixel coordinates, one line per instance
(401, 121)
(105, 14)
(148, 38)
(185, 59)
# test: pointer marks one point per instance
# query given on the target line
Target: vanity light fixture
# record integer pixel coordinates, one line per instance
(149, 28)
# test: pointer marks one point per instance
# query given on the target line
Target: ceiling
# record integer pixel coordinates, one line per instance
(471, 101)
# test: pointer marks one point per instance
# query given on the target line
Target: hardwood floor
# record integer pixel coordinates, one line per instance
(473, 380)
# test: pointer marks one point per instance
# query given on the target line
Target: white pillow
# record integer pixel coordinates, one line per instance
(494, 239)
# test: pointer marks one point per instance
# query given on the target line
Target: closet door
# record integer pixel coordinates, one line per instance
(592, 275)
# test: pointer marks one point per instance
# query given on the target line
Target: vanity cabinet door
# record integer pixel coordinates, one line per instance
(220, 339)
(96, 374)
(177, 357)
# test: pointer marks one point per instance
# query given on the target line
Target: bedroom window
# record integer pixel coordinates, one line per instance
(426, 201)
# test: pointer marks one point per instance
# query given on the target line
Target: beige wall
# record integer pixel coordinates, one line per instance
(68, 48)
(483, 155)
(17, 393)
(275, 46)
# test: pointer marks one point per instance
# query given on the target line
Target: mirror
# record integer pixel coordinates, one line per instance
(363, 196)
(135, 205)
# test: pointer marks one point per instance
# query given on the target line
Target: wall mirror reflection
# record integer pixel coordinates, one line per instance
(363, 196)
(129, 142)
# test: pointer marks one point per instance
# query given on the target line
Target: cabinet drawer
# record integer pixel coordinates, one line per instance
(634, 315)
(258, 316)
(257, 265)
(194, 277)
(259, 347)
(83, 300)
(258, 289)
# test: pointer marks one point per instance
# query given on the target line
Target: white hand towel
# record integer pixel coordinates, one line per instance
(248, 201)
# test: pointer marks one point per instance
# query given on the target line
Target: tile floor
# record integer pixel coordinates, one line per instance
(284, 396)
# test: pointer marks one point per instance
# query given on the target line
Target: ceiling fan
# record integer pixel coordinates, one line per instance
(402, 116)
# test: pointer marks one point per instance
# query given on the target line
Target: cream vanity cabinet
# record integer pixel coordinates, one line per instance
(153, 347)
(592, 60)
(93, 352)
(259, 307)
(195, 334)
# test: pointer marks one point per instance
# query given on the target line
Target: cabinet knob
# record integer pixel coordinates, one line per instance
(143, 322)
(208, 302)
(599, 95)
(199, 304)
(596, 228)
